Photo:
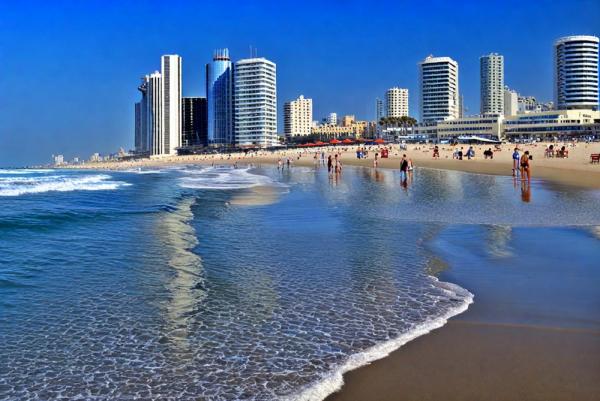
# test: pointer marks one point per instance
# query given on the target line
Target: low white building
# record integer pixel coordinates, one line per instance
(552, 124)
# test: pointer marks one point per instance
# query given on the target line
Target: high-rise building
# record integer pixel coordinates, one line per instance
(151, 114)
(396, 100)
(379, 111)
(297, 116)
(219, 94)
(255, 102)
(332, 119)
(171, 103)
(439, 89)
(492, 83)
(194, 121)
(511, 102)
(576, 72)
(138, 127)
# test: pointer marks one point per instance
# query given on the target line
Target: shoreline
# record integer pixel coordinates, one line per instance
(575, 170)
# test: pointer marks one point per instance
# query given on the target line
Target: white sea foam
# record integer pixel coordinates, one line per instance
(224, 178)
(24, 171)
(15, 186)
(140, 171)
(334, 380)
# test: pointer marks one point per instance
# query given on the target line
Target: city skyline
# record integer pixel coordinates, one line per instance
(319, 71)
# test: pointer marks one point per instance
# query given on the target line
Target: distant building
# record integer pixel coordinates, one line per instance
(297, 116)
(151, 114)
(354, 129)
(528, 104)
(487, 126)
(219, 94)
(332, 119)
(58, 160)
(439, 89)
(511, 102)
(194, 121)
(492, 84)
(138, 127)
(396, 100)
(255, 103)
(348, 120)
(95, 158)
(576, 72)
(379, 110)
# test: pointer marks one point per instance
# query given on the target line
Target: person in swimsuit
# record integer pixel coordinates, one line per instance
(525, 167)
(516, 161)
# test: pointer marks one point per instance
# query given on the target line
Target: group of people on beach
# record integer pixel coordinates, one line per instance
(522, 164)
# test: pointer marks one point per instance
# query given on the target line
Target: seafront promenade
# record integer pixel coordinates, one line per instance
(576, 169)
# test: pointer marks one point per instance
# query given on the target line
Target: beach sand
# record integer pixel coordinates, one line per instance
(575, 170)
(470, 360)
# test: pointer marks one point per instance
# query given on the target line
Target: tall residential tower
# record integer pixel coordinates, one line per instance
(439, 99)
(576, 73)
(396, 100)
(219, 94)
(492, 84)
(255, 102)
(171, 103)
(297, 116)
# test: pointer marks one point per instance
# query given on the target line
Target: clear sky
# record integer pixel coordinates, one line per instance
(70, 69)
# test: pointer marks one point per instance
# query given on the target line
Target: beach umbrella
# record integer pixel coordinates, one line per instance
(334, 142)
(379, 141)
(347, 141)
(319, 143)
(311, 144)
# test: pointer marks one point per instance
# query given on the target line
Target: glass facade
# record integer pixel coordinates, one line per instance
(219, 93)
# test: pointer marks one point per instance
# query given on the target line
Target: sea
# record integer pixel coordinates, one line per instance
(249, 283)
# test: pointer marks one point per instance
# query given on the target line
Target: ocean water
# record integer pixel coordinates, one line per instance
(225, 284)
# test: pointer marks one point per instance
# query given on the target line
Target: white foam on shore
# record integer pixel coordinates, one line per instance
(334, 381)
(140, 171)
(224, 178)
(16, 186)
(25, 171)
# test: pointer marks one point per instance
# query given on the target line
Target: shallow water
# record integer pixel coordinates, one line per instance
(232, 284)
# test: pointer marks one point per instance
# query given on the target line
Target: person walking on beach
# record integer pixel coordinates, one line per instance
(516, 162)
(329, 164)
(526, 166)
(279, 165)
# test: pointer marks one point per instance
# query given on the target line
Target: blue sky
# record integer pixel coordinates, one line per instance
(69, 69)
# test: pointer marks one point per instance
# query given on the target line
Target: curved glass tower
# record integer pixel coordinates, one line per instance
(219, 93)
(576, 72)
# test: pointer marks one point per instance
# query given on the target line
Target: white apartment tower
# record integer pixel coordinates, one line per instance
(576, 73)
(396, 100)
(439, 99)
(297, 116)
(492, 83)
(171, 103)
(151, 115)
(332, 119)
(255, 102)
(511, 102)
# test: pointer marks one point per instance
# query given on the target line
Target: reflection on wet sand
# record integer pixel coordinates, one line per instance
(256, 196)
(186, 286)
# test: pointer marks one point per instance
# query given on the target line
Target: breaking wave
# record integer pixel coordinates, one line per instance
(18, 185)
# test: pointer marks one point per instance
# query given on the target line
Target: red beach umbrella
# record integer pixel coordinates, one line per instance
(379, 141)
(347, 141)
(319, 143)
(334, 142)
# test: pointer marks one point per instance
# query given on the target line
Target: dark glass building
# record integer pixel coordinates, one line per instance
(194, 121)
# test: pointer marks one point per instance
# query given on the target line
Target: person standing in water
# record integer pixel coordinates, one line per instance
(526, 166)
(403, 168)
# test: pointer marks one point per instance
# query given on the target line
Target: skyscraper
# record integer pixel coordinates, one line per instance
(219, 95)
(396, 100)
(194, 121)
(576, 72)
(171, 103)
(379, 113)
(491, 83)
(297, 116)
(255, 102)
(138, 127)
(439, 89)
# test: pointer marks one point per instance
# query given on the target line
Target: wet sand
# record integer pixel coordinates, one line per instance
(532, 333)
(470, 360)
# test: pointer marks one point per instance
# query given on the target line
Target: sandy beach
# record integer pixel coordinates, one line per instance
(575, 170)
